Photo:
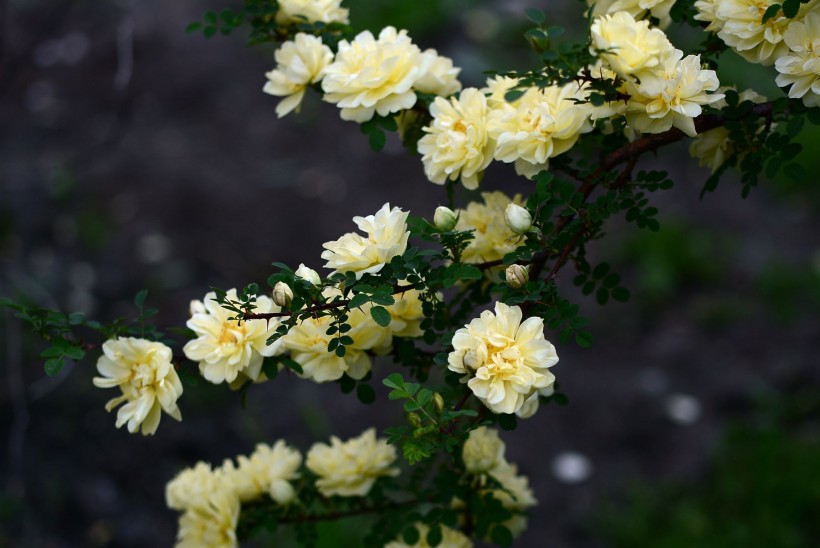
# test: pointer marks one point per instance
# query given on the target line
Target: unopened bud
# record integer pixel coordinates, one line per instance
(444, 219)
(471, 360)
(414, 420)
(518, 219)
(308, 274)
(438, 401)
(517, 276)
(282, 294)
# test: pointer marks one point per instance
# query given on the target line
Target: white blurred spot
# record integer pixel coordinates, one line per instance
(682, 408)
(571, 467)
(81, 300)
(73, 47)
(481, 25)
(69, 50)
(82, 276)
(40, 96)
(153, 248)
(653, 381)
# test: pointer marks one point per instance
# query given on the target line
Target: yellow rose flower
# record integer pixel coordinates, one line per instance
(349, 469)
(492, 237)
(671, 96)
(192, 486)
(543, 124)
(438, 75)
(267, 470)
(299, 11)
(503, 360)
(212, 523)
(457, 143)
(149, 383)
(632, 47)
(387, 236)
(483, 450)
(373, 76)
(299, 63)
(226, 348)
(800, 67)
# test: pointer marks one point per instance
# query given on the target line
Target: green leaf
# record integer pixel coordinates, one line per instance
(381, 315)
(535, 15)
(358, 300)
(771, 12)
(365, 393)
(620, 294)
(193, 27)
(790, 8)
(501, 536)
(513, 95)
(434, 535)
(583, 339)
(507, 421)
(394, 380)
(377, 139)
(410, 535)
(53, 366)
(139, 300)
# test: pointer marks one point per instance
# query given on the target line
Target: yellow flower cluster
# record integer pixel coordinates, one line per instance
(800, 66)
(792, 45)
(349, 469)
(469, 131)
(311, 11)
(492, 237)
(503, 360)
(143, 372)
(639, 9)
(450, 538)
(665, 89)
(483, 455)
(210, 499)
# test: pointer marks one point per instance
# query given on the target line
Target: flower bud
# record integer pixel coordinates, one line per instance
(438, 401)
(414, 420)
(282, 294)
(518, 219)
(444, 219)
(308, 274)
(517, 276)
(471, 360)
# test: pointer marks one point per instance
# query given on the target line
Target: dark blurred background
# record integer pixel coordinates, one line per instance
(134, 155)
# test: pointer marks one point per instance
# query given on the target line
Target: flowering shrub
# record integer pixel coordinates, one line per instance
(463, 300)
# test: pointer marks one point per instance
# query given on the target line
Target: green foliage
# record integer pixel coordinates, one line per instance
(762, 490)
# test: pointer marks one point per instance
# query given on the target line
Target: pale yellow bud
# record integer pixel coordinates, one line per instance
(471, 360)
(518, 219)
(414, 420)
(282, 294)
(308, 274)
(517, 276)
(444, 219)
(438, 401)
